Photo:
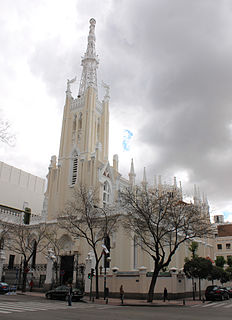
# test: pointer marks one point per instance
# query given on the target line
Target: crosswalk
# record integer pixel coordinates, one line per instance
(10, 307)
(214, 305)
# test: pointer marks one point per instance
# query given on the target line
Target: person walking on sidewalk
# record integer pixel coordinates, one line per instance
(165, 294)
(70, 292)
(121, 294)
(31, 285)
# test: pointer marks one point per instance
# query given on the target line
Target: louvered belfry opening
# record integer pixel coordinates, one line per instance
(75, 169)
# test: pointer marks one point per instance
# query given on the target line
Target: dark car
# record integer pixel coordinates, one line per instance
(61, 293)
(4, 287)
(216, 293)
(229, 289)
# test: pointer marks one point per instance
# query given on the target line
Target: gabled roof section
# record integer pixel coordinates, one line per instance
(106, 171)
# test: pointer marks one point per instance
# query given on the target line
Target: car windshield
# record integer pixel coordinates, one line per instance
(3, 284)
(62, 288)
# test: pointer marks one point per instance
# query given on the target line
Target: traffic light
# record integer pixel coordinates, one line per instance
(91, 274)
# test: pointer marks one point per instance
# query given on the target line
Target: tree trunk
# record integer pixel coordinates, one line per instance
(96, 279)
(25, 271)
(152, 285)
(199, 288)
(193, 285)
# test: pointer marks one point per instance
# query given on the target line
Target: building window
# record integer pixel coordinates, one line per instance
(80, 121)
(74, 169)
(33, 263)
(219, 246)
(75, 122)
(106, 193)
(227, 245)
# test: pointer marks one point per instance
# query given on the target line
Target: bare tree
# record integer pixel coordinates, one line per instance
(5, 135)
(26, 241)
(161, 222)
(55, 244)
(3, 234)
(84, 218)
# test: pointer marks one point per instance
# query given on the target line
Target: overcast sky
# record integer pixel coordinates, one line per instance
(169, 66)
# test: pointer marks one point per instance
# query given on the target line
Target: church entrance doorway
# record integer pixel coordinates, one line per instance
(66, 269)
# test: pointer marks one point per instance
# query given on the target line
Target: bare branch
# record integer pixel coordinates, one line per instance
(162, 223)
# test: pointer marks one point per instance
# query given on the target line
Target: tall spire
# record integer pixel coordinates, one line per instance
(89, 62)
(132, 173)
(175, 184)
(144, 182)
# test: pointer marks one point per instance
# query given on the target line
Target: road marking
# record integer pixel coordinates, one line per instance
(10, 307)
(219, 305)
(209, 304)
(195, 305)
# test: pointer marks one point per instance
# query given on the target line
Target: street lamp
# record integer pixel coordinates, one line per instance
(54, 265)
(107, 259)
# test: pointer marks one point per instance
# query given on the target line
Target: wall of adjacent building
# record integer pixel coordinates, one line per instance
(19, 189)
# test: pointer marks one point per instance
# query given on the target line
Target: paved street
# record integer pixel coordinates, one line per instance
(25, 307)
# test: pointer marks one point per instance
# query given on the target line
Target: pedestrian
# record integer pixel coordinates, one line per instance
(165, 294)
(70, 292)
(121, 294)
(31, 285)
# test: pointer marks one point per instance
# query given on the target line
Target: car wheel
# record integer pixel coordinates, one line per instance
(49, 296)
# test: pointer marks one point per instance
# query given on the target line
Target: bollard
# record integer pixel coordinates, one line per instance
(183, 302)
(106, 300)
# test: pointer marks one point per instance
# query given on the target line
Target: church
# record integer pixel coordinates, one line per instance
(83, 160)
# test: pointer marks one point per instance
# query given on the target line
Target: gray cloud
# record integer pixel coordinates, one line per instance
(171, 62)
(174, 59)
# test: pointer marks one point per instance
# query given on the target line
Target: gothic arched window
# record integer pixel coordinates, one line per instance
(75, 122)
(74, 169)
(106, 193)
(33, 262)
(98, 130)
(80, 121)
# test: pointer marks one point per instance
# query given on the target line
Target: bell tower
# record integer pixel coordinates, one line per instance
(84, 141)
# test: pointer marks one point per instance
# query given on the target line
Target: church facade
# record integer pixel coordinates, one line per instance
(83, 160)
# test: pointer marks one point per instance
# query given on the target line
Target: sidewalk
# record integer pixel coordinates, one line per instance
(144, 303)
(128, 302)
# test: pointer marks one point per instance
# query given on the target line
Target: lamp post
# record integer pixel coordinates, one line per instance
(54, 265)
(107, 259)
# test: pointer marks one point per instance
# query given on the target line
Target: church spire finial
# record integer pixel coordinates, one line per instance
(89, 62)
(132, 174)
(144, 182)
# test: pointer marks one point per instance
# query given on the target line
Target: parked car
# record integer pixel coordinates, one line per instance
(4, 287)
(216, 293)
(61, 293)
(229, 289)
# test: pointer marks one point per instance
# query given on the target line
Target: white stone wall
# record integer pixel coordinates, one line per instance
(19, 189)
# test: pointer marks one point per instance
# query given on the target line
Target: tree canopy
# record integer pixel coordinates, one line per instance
(84, 217)
(162, 222)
